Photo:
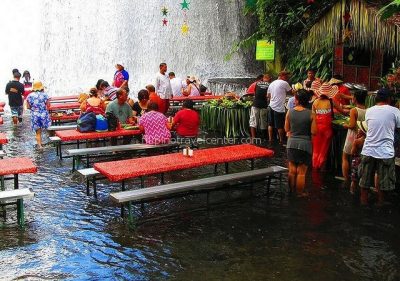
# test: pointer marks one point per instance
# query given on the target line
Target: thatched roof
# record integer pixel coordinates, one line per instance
(368, 30)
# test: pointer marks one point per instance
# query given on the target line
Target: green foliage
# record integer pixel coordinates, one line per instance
(227, 117)
(321, 60)
(389, 10)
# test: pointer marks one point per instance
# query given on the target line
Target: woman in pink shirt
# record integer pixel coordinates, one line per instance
(154, 125)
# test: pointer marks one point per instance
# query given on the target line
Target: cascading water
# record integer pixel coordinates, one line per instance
(73, 43)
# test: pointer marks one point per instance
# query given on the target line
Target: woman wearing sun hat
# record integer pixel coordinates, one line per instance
(38, 102)
(323, 109)
(192, 88)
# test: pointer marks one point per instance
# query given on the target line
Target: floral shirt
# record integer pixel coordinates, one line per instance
(155, 128)
(40, 117)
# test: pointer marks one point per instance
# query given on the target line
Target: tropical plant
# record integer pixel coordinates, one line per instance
(389, 10)
(229, 118)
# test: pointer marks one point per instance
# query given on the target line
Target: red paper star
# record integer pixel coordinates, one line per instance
(164, 22)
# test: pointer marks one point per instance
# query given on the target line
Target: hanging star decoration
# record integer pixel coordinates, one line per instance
(185, 5)
(164, 22)
(164, 11)
(185, 28)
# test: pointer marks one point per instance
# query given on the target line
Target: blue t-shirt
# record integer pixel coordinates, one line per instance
(120, 77)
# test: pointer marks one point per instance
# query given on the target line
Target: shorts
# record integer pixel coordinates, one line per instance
(16, 111)
(258, 118)
(385, 169)
(276, 119)
(298, 156)
(355, 164)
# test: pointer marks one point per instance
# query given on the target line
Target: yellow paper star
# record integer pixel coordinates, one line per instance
(185, 29)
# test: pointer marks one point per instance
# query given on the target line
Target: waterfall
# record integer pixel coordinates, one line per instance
(73, 43)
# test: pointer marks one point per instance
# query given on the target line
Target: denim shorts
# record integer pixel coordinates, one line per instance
(16, 111)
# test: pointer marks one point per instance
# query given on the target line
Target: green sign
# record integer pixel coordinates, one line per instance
(265, 50)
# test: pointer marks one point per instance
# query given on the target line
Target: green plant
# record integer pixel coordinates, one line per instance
(229, 118)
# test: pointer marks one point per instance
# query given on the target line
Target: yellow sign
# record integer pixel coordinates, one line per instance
(265, 50)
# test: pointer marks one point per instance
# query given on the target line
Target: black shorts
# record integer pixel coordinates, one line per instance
(298, 156)
(276, 119)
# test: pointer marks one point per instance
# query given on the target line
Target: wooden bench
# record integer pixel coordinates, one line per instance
(194, 186)
(77, 154)
(91, 175)
(61, 127)
(16, 197)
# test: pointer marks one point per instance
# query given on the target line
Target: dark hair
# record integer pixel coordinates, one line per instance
(98, 84)
(303, 97)
(93, 92)
(309, 84)
(15, 70)
(152, 106)
(311, 69)
(17, 74)
(120, 92)
(188, 103)
(143, 95)
(383, 95)
(259, 77)
(26, 72)
(104, 84)
(171, 74)
(150, 88)
(360, 96)
(162, 64)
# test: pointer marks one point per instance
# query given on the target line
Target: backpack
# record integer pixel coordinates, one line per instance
(101, 123)
(112, 121)
(86, 122)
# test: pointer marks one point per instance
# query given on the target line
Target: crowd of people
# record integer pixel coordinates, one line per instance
(305, 120)
(148, 112)
(368, 157)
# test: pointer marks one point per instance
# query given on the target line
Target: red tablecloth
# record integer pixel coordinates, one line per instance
(72, 135)
(64, 106)
(19, 165)
(3, 138)
(197, 98)
(61, 98)
(126, 169)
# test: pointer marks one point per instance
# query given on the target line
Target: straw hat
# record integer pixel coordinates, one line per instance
(37, 86)
(327, 90)
(335, 81)
(362, 125)
(298, 86)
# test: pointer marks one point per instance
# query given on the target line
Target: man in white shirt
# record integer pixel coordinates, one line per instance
(176, 85)
(277, 91)
(377, 155)
(163, 88)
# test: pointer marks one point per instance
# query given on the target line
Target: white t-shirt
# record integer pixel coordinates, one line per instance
(163, 86)
(381, 121)
(176, 86)
(278, 89)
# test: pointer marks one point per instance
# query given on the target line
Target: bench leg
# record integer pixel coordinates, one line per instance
(142, 182)
(20, 212)
(87, 186)
(226, 167)
(16, 181)
(122, 205)
(268, 184)
(216, 169)
(2, 183)
(73, 163)
(162, 178)
(131, 220)
(94, 187)
(252, 164)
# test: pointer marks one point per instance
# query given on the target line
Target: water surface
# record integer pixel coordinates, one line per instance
(241, 236)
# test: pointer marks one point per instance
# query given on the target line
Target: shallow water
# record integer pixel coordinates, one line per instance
(70, 236)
